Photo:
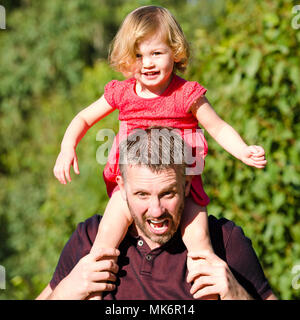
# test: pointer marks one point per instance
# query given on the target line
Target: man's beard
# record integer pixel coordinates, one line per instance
(141, 223)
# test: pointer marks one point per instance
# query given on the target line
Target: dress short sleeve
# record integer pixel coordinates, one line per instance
(192, 91)
(110, 91)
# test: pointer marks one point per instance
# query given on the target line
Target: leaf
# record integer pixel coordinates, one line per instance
(253, 63)
(278, 200)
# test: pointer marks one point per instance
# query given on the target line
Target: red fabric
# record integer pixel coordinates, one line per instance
(170, 109)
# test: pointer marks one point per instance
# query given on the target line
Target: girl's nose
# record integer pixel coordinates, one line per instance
(147, 62)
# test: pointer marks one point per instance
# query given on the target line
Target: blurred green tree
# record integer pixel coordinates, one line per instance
(250, 66)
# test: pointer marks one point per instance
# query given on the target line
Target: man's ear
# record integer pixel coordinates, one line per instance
(188, 182)
(121, 184)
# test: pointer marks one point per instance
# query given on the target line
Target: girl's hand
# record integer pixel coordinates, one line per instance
(65, 159)
(254, 156)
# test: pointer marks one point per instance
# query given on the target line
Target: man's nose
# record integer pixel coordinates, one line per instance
(156, 209)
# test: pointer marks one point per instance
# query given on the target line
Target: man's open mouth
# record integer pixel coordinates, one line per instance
(158, 226)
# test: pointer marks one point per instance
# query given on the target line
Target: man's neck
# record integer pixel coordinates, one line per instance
(135, 232)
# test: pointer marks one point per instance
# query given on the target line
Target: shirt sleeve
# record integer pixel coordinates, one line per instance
(111, 93)
(245, 265)
(77, 247)
(193, 91)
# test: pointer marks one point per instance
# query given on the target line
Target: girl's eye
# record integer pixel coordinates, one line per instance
(138, 55)
(156, 53)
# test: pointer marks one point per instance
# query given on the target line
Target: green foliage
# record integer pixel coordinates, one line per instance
(52, 65)
(251, 71)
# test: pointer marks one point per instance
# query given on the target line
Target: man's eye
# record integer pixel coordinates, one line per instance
(168, 194)
(141, 194)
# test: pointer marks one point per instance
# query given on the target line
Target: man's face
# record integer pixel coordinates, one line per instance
(156, 202)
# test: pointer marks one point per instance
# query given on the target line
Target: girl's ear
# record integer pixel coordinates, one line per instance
(120, 182)
(177, 58)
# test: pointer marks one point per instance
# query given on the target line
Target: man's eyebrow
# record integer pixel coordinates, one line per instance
(139, 190)
(171, 187)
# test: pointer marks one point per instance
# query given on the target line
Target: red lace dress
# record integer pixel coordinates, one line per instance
(170, 109)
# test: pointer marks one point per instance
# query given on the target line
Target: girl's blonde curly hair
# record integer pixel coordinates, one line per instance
(141, 23)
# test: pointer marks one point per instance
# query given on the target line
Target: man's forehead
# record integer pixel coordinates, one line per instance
(142, 176)
(135, 169)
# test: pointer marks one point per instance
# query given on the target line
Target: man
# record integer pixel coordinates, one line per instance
(152, 257)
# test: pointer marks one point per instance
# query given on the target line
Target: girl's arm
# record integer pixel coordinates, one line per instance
(226, 136)
(74, 133)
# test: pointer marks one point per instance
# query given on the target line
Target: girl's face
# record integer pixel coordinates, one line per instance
(154, 66)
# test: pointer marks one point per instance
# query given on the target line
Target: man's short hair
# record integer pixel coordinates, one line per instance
(157, 148)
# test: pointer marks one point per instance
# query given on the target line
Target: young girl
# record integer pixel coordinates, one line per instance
(148, 49)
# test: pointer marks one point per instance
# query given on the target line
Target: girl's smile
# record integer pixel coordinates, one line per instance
(154, 66)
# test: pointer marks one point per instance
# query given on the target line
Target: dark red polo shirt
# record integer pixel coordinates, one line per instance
(160, 274)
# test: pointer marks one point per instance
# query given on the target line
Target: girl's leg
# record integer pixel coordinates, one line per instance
(113, 226)
(195, 234)
(114, 223)
(194, 227)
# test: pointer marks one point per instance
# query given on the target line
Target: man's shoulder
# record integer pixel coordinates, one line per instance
(221, 231)
(89, 227)
(221, 224)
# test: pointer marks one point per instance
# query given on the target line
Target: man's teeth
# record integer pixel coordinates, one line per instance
(158, 223)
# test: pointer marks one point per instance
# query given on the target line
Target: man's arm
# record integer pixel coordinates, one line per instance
(45, 294)
(242, 268)
(272, 297)
(214, 277)
(89, 275)
(244, 263)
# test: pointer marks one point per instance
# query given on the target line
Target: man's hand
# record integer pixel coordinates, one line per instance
(214, 277)
(90, 275)
(254, 156)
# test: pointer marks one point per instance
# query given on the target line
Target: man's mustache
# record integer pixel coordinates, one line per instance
(165, 215)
